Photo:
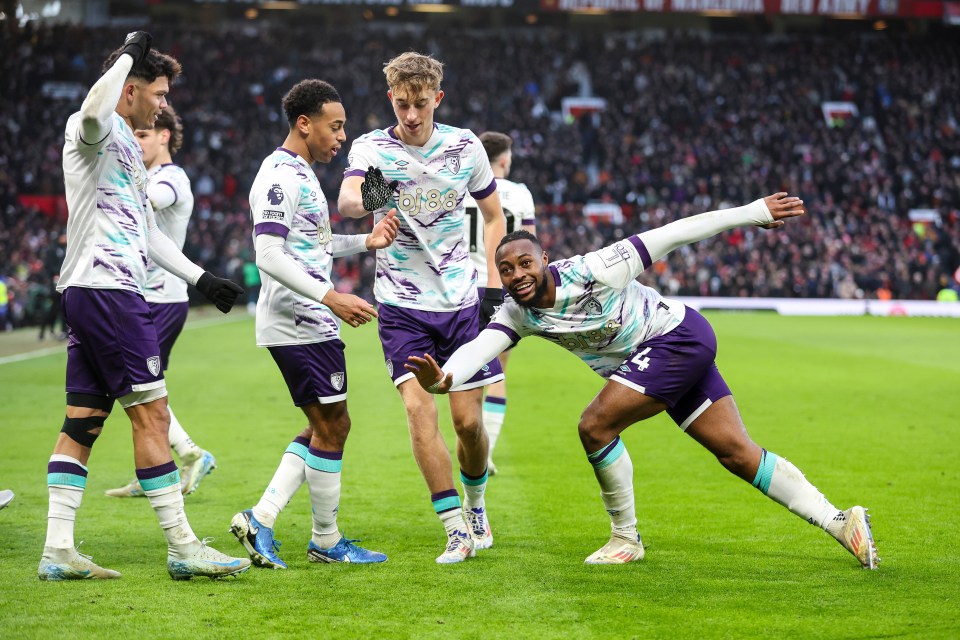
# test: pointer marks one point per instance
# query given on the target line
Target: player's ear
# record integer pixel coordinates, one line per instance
(129, 91)
(439, 98)
(303, 124)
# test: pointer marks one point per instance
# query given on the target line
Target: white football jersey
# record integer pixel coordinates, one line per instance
(106, 185)
(168, 183)
(428, 267)
(601, 312)
(518, 207)
(286, 200)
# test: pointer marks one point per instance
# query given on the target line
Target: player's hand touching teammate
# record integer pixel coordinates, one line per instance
(384, 232)
(375, 190)
(353, 310)
(782, 206)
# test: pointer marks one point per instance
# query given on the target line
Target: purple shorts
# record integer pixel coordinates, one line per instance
(678, 368)
(112, 347)
(168, 318)
(315, 372)
(411, 332)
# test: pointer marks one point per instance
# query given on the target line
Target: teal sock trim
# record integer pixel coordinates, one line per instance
(473, 482)
(608, 455)
(161, 482)
(297, 449)
(489, 407)
(324, 464)
(768, 461)
(445, 504)
(66, 480)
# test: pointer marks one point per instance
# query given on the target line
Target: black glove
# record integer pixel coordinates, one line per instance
(489, 305)
(219, 291)
(375, 190)
(137, 45)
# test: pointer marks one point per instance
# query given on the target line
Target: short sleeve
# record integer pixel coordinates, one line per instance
(509, 321)
(273, 204)
(363, 154)
(618, 264)
(482, 183)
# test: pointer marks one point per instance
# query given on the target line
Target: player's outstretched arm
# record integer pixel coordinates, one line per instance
(382, 236)
(101, 101)
(768, 213)
(462, 365)
(360, 195)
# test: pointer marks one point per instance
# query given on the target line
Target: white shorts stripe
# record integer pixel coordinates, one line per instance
(696, 414)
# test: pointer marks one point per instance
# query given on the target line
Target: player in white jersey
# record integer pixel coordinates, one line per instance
(426, 283)
(298, 320)
(113, 353)
(656, 354)
(168, 189)
(520, 213)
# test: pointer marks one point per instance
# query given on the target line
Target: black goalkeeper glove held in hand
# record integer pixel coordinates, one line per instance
(489, 305)
(375, 190)
(219, 291)
(137, 45)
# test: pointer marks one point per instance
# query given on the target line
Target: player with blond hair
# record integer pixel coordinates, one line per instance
(426, 284)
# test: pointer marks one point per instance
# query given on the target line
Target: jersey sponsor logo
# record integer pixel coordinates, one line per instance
(614, 254)
(153, 364)
(336, 379)
(432, 201)
(271, 214)
(452, 162)
(275, 195)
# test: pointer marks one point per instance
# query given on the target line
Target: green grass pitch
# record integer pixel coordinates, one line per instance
(868, 408)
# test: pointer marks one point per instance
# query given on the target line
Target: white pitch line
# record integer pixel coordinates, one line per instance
(49, 351)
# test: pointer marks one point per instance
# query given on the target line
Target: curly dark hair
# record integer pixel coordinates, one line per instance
(155, 65)
(519, 234)
(170, 121)
(307, 98)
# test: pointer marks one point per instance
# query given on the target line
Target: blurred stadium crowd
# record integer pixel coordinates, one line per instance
(691, 124)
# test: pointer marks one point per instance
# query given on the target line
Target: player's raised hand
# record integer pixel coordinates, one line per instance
(781, 206)
(219, 291)
(351, 309)
(375, 190)
(385, 231)
(429, 374)
(137, 45)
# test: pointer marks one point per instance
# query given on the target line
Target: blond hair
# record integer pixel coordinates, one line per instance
(413, 73)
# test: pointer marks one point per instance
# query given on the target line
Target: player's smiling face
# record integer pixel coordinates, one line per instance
(523, 271)
(148, 101)
(326, 132)
(414, 111)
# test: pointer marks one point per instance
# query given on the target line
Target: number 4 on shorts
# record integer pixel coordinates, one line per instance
(641, 361)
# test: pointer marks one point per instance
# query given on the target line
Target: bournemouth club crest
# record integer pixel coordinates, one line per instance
(153, 364)
(452, 162)
(336, 379)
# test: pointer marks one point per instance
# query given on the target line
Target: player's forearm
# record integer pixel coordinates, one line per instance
(165, 253)
(471, 357)
(348, 245)
(350, 202)
(660, 242)
(272, 260)
(100, 103)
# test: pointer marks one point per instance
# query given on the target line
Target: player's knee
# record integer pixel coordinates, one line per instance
(83, 431)
(468, 430)
(736, 459)
(592, 430)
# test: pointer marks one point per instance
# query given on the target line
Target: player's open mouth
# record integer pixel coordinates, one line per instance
(523, 287)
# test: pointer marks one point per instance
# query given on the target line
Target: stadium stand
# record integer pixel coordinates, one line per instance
(691, 123)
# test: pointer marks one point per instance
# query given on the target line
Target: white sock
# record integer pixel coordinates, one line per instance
(167, 503)
(616, 487)
(287, 479)
(786, 485)
(66, 480)
(180, 442)
(473, 490)
(453, 521)
(494, 412)
(322, 469)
